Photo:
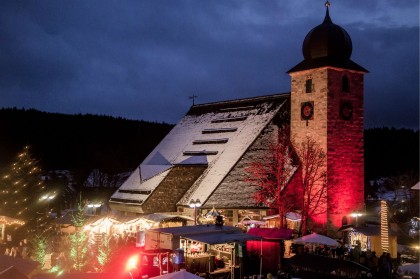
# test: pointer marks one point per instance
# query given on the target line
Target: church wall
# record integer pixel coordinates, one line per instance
(345, 146)
(342, 140)
(315, 128)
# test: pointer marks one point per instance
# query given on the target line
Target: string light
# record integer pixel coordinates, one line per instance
(10, 221)
(384, 227)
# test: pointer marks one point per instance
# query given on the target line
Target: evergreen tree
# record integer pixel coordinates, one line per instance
(104, 256)
(21, 189)
(40, 249)
(78, 240)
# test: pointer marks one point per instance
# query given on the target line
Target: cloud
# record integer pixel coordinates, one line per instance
(142, 59)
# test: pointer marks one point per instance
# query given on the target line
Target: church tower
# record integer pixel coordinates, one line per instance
(327, 106)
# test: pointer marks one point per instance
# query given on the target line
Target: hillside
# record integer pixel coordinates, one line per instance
(78, 142)
(81, 143)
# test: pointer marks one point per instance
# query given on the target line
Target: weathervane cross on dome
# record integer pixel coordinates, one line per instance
(327, 4)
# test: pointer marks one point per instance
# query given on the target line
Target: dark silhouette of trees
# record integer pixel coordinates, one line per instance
(391, 152)
(79, 143)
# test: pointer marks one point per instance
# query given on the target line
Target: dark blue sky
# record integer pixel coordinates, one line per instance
(142, 59)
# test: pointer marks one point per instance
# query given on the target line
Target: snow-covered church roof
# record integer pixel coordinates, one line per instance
(214, 135)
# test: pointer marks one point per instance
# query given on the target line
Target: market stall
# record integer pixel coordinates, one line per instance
(8, 221)
(207, 248)
(270, 249)
(369, 239)
(214, 252)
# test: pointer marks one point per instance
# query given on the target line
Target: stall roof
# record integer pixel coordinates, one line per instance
(271, 233)
(372, 231)
(187, 231)
(160, 217)
(217, 238)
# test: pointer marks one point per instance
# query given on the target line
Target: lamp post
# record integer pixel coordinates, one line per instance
(195, 204)
(94, 207)
(48, 198)
(356, 215)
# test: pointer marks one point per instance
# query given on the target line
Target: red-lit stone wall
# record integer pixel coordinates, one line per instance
(345, 146)
(315, 128)
(342, 140)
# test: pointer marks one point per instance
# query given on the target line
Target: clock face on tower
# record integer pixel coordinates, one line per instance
(346, 110)
(307, 111)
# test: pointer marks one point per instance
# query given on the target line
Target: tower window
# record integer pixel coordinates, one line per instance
(309, 85)
(345, 84)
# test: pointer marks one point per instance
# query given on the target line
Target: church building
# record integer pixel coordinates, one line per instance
(205, 156)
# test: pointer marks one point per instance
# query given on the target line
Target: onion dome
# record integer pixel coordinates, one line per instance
(327, 40)
(327, 45)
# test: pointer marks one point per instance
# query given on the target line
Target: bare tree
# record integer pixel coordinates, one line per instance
(271, 175)
(316, 180)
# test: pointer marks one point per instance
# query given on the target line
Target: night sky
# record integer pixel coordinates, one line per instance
(142, 59)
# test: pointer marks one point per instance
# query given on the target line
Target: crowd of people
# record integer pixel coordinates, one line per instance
(23, 250)
(383, 267)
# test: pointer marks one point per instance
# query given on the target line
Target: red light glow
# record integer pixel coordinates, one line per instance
(132, 262)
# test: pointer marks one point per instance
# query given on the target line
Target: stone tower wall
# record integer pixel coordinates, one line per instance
(342, 140)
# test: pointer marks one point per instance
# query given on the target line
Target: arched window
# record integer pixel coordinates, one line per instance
(345, 84)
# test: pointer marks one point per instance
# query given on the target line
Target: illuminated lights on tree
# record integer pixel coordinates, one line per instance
(40, 249)
(21, 187)
(78, 240)
(104, 253)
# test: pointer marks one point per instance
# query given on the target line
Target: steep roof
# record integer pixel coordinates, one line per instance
(215, 135)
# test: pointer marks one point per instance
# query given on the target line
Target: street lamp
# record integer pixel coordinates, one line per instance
(48, 198)
(356, 215)
(195, 204)
(94, 207)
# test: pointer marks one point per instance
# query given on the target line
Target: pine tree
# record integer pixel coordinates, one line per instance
(105, 251)
(78, 240)
(39, 243)
(21, 188)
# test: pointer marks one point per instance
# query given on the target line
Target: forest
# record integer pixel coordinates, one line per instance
(81, 143)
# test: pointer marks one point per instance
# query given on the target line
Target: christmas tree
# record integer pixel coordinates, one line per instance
(21, 190)
(78, 240)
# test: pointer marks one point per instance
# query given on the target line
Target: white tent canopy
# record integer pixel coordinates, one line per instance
(315, 238)
(182, 274)
(410, 270)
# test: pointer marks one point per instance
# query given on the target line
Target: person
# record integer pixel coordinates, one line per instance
(13, 252)
(373, 263)
(26, 253)
(7, 252)
(384, 267)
